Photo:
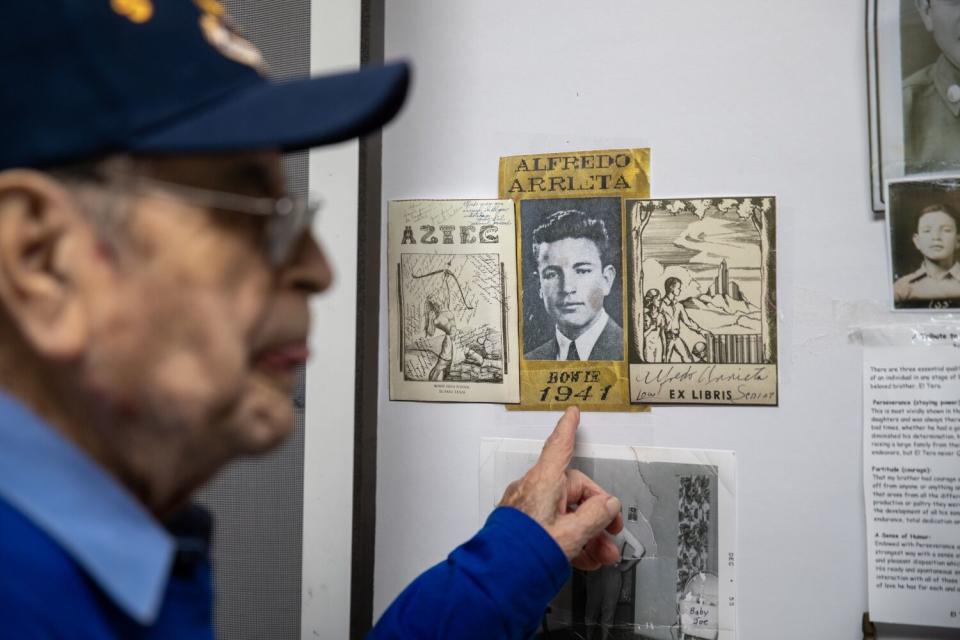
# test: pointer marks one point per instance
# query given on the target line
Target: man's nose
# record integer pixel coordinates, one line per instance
(567, 282)
(307, 270)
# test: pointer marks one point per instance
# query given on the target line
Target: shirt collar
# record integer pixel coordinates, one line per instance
(586, 340)
(945, 75)
(85, 510)
(952, 272)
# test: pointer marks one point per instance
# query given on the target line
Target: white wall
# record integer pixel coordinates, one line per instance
(737, 97)
(328, 446)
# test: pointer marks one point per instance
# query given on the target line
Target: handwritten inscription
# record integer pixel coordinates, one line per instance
(723, 384)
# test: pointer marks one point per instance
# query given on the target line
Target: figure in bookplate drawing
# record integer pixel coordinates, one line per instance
(703, 301)
(453, 301)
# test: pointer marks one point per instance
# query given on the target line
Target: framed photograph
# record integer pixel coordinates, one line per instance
(922, 216)
(677, 573)
(913, 71)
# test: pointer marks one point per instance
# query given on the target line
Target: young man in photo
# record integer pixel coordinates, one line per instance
(576, 274)
(931, 96)
(938, 277)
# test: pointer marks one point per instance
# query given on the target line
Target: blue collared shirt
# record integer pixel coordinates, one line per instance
(84, 511)
(65, 522)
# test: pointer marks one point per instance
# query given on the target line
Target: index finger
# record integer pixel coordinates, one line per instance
(581, 487)
(558, 449)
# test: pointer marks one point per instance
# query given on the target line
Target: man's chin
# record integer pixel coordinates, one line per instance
(284, 379)
(264, 418)
(573, 327)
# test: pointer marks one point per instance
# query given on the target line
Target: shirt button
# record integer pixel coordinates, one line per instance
(953, 93)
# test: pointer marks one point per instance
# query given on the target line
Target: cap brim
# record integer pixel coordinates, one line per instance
(288, 115)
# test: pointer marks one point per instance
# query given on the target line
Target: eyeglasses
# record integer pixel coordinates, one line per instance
(287, 217)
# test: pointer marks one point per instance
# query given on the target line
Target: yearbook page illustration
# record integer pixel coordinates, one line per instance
(570, 236)
(703, 321)
(676, 577)
(452, 301)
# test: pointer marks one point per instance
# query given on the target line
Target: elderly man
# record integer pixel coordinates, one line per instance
(154, 279)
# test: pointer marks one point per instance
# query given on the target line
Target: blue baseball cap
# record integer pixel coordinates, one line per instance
(85, 78)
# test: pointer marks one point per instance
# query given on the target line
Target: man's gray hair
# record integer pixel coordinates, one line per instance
(92, 182)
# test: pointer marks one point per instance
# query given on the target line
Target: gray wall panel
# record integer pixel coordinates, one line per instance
(258, 503)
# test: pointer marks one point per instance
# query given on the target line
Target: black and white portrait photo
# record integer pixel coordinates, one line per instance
(914, 77)
(930, 65)
(572, 282)
(922, 222)
(678, 513)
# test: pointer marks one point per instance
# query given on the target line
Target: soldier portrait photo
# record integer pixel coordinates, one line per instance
(913, 77)
(572, 281)
(930, 64)
(922, 221)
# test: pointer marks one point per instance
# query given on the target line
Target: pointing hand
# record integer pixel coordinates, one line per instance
(572, 508)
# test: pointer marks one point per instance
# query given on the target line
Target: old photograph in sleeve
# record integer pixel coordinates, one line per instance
(914, 89)
(677, 573)
(453, 301)
(570, 256)
(922, 217)
(703, 312)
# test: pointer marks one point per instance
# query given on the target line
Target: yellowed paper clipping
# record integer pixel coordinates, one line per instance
(571, 234)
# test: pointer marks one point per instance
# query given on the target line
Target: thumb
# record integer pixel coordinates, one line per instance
(593, 516)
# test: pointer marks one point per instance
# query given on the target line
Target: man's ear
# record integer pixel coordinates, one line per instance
(42, 234)
(609, 274)
(923, 8)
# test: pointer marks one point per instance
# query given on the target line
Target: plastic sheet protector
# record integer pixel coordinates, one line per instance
(677, 573)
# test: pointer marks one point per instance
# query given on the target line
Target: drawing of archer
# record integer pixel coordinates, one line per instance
(438, 314)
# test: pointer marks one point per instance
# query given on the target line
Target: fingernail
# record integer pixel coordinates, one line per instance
(613, 506)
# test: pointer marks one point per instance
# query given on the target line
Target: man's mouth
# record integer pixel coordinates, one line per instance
(570, 307)
(283, 358)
